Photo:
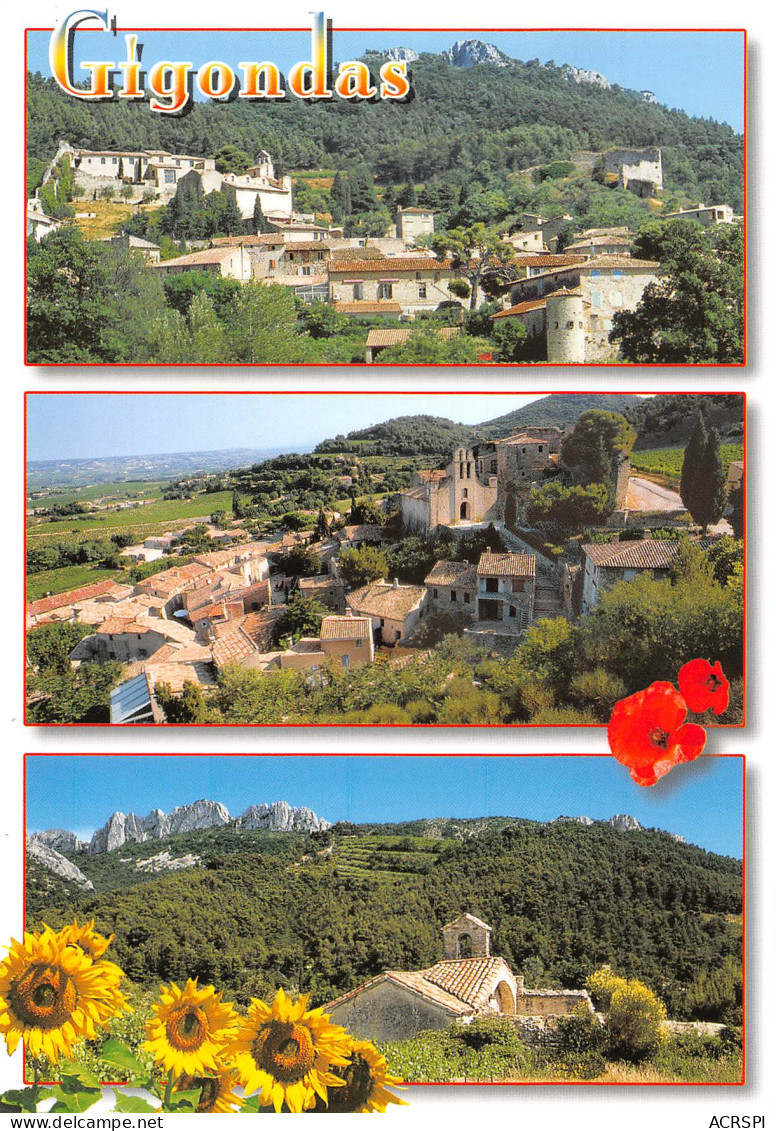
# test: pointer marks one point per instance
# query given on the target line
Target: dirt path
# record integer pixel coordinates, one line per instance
(644, 495)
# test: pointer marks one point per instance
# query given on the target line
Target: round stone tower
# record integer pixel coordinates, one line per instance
(566, 327)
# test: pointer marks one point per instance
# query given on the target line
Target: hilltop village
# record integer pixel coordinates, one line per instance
(547, 290)
(458, 554)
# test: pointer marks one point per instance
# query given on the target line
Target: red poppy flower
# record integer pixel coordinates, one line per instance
(646, 733)
(704, 686)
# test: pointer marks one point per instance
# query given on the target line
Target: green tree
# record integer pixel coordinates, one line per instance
(362, 565)
(231, 159)
(425, 346)
(691, 463)
(569, 508)
(262, 325)
(49, 647)
(302, 616)
(711, 492)
(482, 257)
(595, 443)
(510, 336)
(259, 221)
(694, 312)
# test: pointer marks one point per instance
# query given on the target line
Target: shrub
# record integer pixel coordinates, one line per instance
(601, 984)
(597, 689)
(581, 1031)
(581, 1066)
(635, 1021)
(489, 1031)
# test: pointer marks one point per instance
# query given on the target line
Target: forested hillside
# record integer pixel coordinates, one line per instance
(668, 421)
(483, 124)
(561, 898)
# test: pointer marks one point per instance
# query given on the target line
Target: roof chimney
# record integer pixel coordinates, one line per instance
(396, 583)
(348, 611)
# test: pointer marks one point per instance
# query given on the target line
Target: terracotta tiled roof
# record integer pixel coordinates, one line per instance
(87, 593)
(421, 211)
(363, 306)
(619, 261)
(415, 493)
(507, 565)
(433, 475)
(469, 979)
(115, 626)
(357, 254)
(521, 308)
(260, 625)
(601, 241)
(650, 553)
(397, 337)
(229, 649)
(209, 255)
(320, 581)
(270, 239)
(386, 266)
(540, 259)
(345, 628)
(452, 573)
(307, 245)
(382, 599)
(176, 674)
(417, 984)
(296, 280)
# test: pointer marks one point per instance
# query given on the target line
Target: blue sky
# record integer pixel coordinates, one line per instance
(72, 426)
(701, 801)
(698, 72)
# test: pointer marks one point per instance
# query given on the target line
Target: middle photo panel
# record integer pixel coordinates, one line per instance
(414, 559)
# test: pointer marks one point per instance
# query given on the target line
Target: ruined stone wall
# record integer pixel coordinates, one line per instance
(388, 1012)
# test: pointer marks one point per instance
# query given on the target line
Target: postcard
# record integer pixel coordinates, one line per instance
(405, 198)
(481, 560)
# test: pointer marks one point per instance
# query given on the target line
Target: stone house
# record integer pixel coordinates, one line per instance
(604, 564)
(590, 245)
(451, 588)
(413, 222)
(229, 262)
(476, 484)
(347, 639)
(506, 588)
(417, 283)
(395, 610)
(706, 214)
(467, 982)
(570, 309)
(120, 639)
(150, 252)
(326, 588)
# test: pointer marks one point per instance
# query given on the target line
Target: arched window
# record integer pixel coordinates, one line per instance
(464, 941)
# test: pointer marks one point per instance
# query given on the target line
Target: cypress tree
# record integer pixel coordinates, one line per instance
(711, 487)
(260, 224)
(693, 456)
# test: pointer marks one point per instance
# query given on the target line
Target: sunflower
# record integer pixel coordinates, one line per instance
(287, 1053)
(366, 1076)
(190, 1028)
(86, 937)
(215, 1091)
(52, 995)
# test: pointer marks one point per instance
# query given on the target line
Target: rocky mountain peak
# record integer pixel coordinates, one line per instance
(625, 823)
(471, 52)
(579, 75)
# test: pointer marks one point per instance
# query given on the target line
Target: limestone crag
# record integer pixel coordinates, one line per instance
(61, 840)
(281, 817)
(625, 823)
(120, 828)
(578, 75)
(472, 52)
(57, 863)
(586, 821)
(400, 54)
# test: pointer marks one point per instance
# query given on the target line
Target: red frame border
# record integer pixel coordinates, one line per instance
(461, 1083)
(360, 393)
(305, 366)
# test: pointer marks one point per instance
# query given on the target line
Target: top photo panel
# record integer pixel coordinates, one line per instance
(346, 197)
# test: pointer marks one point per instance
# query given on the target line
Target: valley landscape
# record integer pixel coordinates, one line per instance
(281, 895)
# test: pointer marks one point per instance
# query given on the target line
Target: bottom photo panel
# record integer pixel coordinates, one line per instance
(317, 933)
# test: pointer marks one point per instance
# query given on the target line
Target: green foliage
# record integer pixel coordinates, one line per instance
(80, 695)
(601, 985)
(634, 1021)
(569, 508)
(49, 647)
(88, 302)
(703, 481)
(594, 444)
(510, 336)
(362, 565)
(425, 346)
(480, 255)
(694, 313)
(301, 617)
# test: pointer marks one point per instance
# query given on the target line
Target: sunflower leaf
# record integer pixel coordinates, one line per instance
(117, 1055)
(23, 1099)
(132, 1103)
(75, 1101)
(252, 1106)
(75, 1077)
(184, 1101)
